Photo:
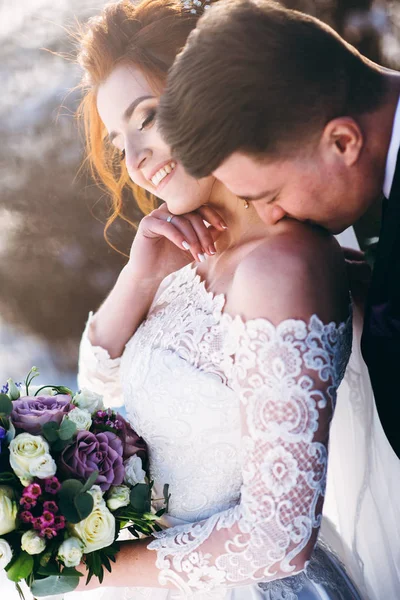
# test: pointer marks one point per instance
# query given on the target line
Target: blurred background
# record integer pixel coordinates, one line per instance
(55, 265)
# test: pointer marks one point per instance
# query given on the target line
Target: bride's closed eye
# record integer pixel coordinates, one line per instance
(151, 115)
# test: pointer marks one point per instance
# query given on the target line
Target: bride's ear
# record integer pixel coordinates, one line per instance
(343, 137)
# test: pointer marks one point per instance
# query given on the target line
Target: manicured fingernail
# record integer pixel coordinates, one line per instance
(212, 250)
(185, 245)
(202, 257)
(223, 225)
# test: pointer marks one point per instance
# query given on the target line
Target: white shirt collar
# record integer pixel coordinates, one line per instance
(392, 154)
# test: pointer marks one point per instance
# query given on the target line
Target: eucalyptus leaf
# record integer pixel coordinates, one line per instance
(139, 497)
(59, 445)
(8, 478)
(48, 570)
(84, 505)
(70, 489)
(50, 431)
(20, 568)
(6, 405)
(91, 481)
(67, 430)
(71, 572)
(54, 585)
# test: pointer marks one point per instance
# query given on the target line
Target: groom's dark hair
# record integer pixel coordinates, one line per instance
(258, 78)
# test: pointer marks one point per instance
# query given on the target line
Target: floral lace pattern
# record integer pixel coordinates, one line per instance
(236, 415)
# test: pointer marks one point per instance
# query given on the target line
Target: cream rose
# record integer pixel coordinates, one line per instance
(24, 449)
(119, 496)
(43, 467)
(87, 400)
(97, 530)
(97, 494)
(81, 417)
(8, 510)
(32, 543)
(134, 472)
(71, 551)
(5, 553)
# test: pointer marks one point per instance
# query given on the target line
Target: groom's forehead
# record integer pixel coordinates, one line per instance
(247, 173)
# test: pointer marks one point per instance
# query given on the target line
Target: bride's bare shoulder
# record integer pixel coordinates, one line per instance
(297, 272)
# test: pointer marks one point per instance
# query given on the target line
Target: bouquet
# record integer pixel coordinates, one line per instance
(72, 476)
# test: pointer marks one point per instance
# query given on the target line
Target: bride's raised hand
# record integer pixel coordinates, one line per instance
(164, 242)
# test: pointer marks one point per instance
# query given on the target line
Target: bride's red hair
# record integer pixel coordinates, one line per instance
(147, 35)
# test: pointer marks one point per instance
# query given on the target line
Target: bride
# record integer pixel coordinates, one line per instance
(228, 366)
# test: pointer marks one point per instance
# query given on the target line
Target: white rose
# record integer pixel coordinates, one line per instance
(134, 472)
(5, 553)
(81, 417)
(119, 496)
(87, 400)
(43, 467)
(8, 510)
(71, 551)
(24, 448)
(32, 543)
(97, 494)
(97, 530)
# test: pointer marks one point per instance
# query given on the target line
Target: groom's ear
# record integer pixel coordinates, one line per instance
(343, 138)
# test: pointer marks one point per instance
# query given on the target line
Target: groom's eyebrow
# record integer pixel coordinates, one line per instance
(259, 196)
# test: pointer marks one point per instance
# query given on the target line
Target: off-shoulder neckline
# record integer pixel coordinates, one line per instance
(218, 302)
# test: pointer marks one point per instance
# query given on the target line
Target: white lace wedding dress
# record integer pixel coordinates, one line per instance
(236, 417)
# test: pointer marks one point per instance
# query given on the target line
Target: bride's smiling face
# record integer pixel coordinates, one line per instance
(127, 105)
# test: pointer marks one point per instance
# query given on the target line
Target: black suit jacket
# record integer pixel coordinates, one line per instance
(381, 335)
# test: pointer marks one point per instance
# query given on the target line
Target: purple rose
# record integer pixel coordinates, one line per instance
(30, 414)
(90, 452)
(132, 442)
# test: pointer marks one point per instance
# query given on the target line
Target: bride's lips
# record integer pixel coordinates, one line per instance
(166, 179)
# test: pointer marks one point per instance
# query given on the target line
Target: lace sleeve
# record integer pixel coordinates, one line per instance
(98, 372)
(286, 377)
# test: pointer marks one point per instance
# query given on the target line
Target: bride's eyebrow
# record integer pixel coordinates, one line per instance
(128, 113)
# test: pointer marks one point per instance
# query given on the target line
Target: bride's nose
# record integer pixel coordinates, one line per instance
(137, 158)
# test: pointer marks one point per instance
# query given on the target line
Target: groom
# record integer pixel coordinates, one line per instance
(289, 116)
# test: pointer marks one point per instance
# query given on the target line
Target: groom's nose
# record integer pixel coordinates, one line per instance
(270, 215)
(277, 214)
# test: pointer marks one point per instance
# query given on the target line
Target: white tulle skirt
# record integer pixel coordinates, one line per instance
(362, 506)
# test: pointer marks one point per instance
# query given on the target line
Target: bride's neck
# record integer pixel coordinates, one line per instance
(243, 223)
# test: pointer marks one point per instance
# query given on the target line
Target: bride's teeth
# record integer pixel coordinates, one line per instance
(163, 172)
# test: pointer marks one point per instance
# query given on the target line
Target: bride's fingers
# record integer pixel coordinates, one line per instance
(215, 233)
(210, 215)
(185, 226)
(179, 232)
(202, 231)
